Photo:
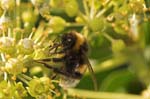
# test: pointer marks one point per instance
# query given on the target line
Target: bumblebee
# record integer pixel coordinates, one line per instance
(74, 48)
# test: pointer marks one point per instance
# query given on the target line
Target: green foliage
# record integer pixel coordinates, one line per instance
(118, 33)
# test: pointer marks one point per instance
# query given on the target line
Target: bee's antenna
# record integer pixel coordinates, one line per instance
(55, 46)
(91, 73)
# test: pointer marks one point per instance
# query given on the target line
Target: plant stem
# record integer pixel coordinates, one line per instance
(38, 33)
(110, 64)
(92, 10)
(74, 25)
(147, 23)
(22, 79)
(101, 12)
(4, 59)
(18, 19)
(26, 77)
(108, 5)
(84, 18)
(108, 37)
(86, 8)
(101, 95)
(147, 3)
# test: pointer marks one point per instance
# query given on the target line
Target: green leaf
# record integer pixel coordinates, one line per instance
(116, 81)
(146, 25)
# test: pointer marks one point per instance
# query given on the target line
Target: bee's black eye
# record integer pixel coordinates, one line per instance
(68, 40)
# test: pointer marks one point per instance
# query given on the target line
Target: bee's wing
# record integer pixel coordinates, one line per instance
(91, 72)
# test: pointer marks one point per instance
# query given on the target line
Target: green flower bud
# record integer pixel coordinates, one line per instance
(20, 90)
(7, 45)
(71, 7)
(7, 90)
(26, 46)
(36, 71)
(118, 45)
(57, 24)
(28, 16)
(96, 24)
(14, 66)
(4, 22)
(56, 3)
(39, 86)
(45, 11)
(7, 4)
(79, 20)
(35, 87)
(46, 82)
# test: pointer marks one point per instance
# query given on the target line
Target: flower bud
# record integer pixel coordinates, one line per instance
(79, 20)
(4, 22)
(25, 46)
(96, 24)
(7, 90)
(45, 11)
(118, 45)
(7, 45)
(20, 90)
(28, 16)
(57, 4)
(71, 7)
(14, 66)
(39, 86)
(57, 24)
(7, 4)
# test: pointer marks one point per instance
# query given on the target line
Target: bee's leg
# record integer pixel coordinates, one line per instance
(50, 59)
(54, 48)
(54, 69)
(53, 76)
(45, 60)
(59, 52)
(56, 45)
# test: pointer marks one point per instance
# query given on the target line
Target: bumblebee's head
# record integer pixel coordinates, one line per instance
(68, 40)
(75, 41)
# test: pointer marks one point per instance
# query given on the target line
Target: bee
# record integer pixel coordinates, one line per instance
(73, 48)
